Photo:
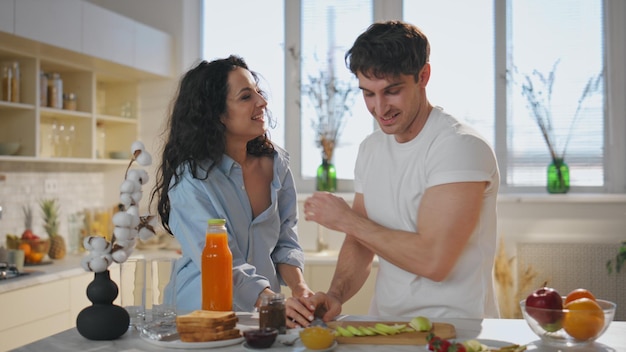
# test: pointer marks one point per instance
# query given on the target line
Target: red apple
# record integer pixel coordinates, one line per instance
(545, 305)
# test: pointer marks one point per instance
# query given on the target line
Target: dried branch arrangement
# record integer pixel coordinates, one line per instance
(537, 88)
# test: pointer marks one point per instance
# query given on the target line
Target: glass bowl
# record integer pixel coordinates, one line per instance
(260, 338)
(317, 337)
(34, 250)
(569, 327)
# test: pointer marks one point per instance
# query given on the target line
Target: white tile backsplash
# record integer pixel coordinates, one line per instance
(75, 191)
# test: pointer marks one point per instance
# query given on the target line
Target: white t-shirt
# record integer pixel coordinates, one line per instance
(393, 177)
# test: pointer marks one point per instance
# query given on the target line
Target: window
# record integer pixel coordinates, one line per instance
(235, 27)
(563, 38)
(540, 34)
(476, 46)
(329, 28)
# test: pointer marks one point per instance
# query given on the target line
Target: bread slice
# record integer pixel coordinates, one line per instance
(203, 336)
(206, 325)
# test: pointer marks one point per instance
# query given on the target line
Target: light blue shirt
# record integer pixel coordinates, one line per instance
(257, 245)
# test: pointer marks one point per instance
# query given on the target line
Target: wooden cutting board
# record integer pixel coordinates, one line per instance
(443, 330)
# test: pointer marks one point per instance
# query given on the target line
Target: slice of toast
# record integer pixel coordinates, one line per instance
(206, 318)
(204, 336)
(205, 325)
(192, 326)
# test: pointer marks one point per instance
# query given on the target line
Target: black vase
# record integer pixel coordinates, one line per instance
(103, 320)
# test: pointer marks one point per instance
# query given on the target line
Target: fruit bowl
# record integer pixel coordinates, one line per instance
(570, 327)
(34, 249)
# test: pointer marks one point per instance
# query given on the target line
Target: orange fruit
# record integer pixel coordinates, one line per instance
(579, 293)
(34, 257)
(25, 247)
(584, 319)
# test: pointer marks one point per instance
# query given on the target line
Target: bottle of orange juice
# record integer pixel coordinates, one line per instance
(217, 268)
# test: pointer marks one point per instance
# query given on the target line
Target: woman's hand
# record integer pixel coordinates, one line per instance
(301, 311)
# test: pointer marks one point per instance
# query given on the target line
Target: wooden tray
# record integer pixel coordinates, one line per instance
(443, 330)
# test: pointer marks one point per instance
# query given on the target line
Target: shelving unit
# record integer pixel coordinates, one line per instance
(107, 100)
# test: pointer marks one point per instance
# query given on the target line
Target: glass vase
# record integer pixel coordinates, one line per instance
(558, 177)
(326, 177)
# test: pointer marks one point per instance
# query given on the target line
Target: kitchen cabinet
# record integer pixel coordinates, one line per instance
(98, 131)
(107, 35)
(56, 22)
(319, 275)
(7, 8)
(41, 310)
(48, 306)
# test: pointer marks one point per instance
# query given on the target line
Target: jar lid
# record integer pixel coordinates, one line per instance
(217, 221)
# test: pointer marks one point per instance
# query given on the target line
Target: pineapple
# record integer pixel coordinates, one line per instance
(50, 211)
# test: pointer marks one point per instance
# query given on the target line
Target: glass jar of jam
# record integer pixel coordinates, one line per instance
(272, 312)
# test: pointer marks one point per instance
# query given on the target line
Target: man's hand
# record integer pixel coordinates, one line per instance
(327, 210)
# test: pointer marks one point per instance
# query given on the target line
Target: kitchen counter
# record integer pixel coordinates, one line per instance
(63, 268)
(500, 330)
(70, 267)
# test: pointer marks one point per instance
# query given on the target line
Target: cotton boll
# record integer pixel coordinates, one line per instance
(145, 233)
(100, 263)
(130, 186)
(126, 199)
(144, 159)
(138, 175)
(121, 233)
(86, 243)
(137, 146)
(84, 262)
(136, 196)
(123, 219)
(133, 210)
(97, 244)
(119, 255)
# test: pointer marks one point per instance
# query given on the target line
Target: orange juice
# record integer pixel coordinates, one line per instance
(217, 268)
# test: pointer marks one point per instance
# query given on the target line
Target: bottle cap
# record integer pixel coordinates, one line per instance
(217, 221)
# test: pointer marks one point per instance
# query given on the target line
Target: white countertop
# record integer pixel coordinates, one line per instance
(499, 330)
(62, 268)
(70, 267)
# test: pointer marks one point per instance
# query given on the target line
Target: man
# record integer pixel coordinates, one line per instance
(425, 194)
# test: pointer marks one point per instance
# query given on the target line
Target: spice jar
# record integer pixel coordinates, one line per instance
(55, 91)
(272, 312)
(11, 81)
(69, 101)
(43, 89)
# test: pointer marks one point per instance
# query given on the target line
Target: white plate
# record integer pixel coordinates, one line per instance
(178, 344)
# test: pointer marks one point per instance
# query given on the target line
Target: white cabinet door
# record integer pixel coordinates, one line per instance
(55, 22)
(7, 8)
(153, 50)
(318, 278)
(107, 35)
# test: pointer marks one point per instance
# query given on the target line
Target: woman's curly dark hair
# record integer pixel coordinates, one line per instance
(194, 130)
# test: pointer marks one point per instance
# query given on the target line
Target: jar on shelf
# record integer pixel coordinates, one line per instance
(43, 89)
(55, 91)
(11, 81)
(69, 101)
(101, 138)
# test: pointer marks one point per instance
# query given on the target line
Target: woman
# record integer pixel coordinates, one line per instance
(219, 163)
